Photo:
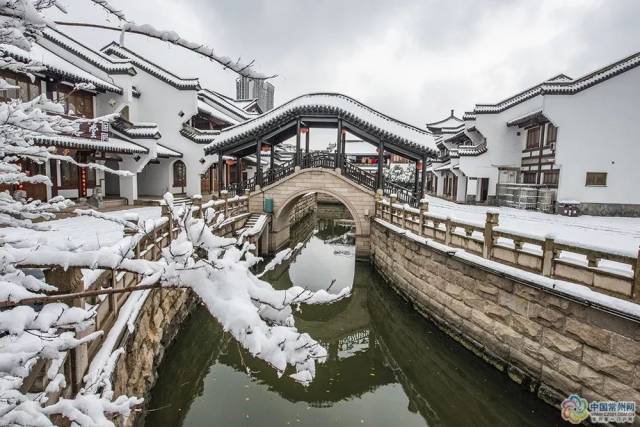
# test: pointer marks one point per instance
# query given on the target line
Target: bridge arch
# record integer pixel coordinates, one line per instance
(358, 200)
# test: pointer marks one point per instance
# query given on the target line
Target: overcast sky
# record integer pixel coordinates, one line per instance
(412, 59)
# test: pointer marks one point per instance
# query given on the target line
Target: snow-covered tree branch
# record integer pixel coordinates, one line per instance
(241, 67)
(217, 269)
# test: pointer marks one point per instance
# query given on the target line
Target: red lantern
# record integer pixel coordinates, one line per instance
(304, 130)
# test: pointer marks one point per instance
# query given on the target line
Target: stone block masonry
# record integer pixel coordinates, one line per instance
(553, 345)
(157, 324)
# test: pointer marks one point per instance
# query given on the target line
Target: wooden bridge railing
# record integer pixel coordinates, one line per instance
(603, 270)
(325, 160)
(107, 307)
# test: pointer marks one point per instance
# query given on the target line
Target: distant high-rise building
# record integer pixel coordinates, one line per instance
(263, 91)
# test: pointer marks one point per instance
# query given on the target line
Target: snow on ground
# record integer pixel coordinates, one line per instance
(616, 233)
(88, 231)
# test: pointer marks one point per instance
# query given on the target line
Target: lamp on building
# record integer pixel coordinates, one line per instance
(136, 158)
(181, 113)
(202, 160)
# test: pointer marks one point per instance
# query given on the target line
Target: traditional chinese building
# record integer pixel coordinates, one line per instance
(563, 140)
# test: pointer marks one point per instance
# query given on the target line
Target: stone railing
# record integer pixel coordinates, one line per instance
(109, 292)
(616, 274)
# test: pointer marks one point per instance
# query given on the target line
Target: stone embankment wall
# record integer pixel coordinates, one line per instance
(303, 207)
(551, 344)
(157, 324)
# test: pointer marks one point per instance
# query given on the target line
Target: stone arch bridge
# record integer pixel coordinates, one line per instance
(320, 171)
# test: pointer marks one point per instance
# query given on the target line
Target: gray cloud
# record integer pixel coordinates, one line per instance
(415, 59)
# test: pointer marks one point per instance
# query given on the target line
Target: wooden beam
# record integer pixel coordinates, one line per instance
(306, 141)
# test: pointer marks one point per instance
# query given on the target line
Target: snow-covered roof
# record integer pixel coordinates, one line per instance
(469, 116)
(534, 117)
(163, 151)
(450, 124)
(214, 112)
(198, 135)
(57, 65)
(457, 138)
(563, 85)
(98, 59)
(150, 67)
(136, 130)
(113, 145)
(352, 112)
(472, 150)
(225, 104)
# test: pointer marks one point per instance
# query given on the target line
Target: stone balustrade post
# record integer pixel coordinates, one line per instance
(548, 253)
(167, 212)
(225, 196)
(491, 222)
(424, 208)
(378, 210)
(393, 199)
(448, 228)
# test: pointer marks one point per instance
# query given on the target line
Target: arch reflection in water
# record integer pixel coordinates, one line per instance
(386, 365)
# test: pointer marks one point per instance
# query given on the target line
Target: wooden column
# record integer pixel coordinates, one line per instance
(220, 172)
(306, 141)
(259, 162)
(298, 156)
(338, 144)
(423, 178)
(343, 139)
(238, 170)
(415, 180)
(272, 159)
(380, 164)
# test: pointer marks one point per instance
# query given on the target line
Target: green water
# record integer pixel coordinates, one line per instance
(387, 366)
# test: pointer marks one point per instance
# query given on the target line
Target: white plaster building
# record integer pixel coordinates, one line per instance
(164, 122)
(572, 140)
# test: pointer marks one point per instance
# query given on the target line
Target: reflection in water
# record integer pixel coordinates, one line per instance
(387, 366)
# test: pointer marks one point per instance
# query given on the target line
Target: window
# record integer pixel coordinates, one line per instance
(596, 179)
(552, 134)
(27, 90)
(77, 103)
(550, 178)
(533, 138)
(179, 174)
(529, 177)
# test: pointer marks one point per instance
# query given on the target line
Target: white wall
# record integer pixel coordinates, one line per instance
(161, 103)
(155, 179)
(503, 143)
(598, 132)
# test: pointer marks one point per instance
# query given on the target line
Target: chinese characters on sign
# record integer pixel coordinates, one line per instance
(94, 130)
(575, 409)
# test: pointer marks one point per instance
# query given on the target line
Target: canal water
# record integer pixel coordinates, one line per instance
(387, 366)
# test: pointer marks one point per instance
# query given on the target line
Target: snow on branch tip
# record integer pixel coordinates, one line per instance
(243, 68)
